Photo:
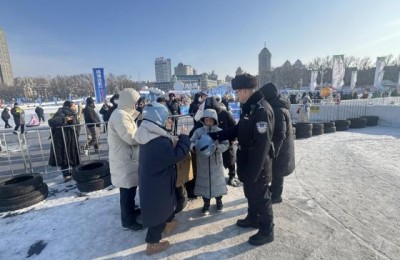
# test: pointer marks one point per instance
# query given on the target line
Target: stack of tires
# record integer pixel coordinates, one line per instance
(304, 130)
(22, 191)
(342, 125)
(317, 129)
(371, 120)
(92, 176)
(357, 122)
(329, 127)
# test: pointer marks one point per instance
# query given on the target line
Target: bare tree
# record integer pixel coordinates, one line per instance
(364, 63)
(351, 61)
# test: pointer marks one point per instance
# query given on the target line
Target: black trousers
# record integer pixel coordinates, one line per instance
(22, 128)
(259, 202)
(41, 117)
(276, 187)
(127, 204)
(207, 201)
(229, 160)
(6, 124)
(154, 233)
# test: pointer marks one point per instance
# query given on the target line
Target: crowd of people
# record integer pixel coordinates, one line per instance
(144, 149)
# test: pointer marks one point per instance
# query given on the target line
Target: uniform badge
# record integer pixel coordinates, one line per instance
(262, 127)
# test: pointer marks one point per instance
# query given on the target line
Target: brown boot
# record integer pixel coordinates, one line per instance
(170, 227)
(157, 247)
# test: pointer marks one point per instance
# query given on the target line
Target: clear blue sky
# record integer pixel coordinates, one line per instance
(49, 37)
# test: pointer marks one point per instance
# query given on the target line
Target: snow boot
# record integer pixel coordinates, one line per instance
(170, 227)
(262, 237)
(134, 227)
(206, 209)
(154, 248)
(220, 206)
(247, 222)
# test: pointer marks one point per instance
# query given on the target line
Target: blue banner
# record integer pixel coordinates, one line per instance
(100, 89)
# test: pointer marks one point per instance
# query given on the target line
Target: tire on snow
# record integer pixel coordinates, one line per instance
(90, 171)
(303, 130)
(25, 200)
(19, 185)
(318, 129)
(329, 130)
(94, 185)
(358, 122)
(342, 128)
(371, 120)
(341, 124)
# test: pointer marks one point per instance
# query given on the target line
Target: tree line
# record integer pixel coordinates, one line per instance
(62, 86)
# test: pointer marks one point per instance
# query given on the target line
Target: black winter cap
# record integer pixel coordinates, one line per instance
(244, 81)
(89, 100)
(269, 91)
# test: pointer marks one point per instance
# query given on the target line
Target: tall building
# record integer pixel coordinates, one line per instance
(264, 67)
(6, 75)
(184, 70)
(163, 69)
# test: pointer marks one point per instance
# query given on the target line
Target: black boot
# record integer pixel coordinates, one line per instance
(134, 227)
(247, 222)
(220, 206)
(262, 237)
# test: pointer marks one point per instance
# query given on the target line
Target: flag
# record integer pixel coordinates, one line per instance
(99, 81)
(353, 79)
(313, 81)
(338, 70)
(380, 65)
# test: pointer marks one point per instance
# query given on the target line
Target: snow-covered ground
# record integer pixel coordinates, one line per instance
(342, 202)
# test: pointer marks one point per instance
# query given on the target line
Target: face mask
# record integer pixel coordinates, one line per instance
(116, 101)
(199, 99)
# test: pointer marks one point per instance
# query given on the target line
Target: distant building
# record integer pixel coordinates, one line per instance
(228, 78)
(204, 81)
(239, 71)
(6, 75)
(265, 72)
(163, 69)
(184, 70)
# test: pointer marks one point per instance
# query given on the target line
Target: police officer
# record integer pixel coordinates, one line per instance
(254, 132)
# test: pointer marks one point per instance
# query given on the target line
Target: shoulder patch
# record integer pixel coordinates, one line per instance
(262, 127)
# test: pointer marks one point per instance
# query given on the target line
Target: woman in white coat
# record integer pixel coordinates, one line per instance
(124, 156)
(304, 108)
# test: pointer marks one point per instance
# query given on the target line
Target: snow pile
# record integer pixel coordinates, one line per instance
(342, 202)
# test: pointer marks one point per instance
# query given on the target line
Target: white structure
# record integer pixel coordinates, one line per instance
(6, 75)
(163, 69)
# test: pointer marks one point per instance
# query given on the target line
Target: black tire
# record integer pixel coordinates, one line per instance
(358, 122)
(341, 123)
(329, 124)
(20, 185)
(94, 185)
(90, 171)
(342, 128)
(329, 130)
(371, 120)
(25, 200)
(304, 127)
(317, 129)
(303, 134)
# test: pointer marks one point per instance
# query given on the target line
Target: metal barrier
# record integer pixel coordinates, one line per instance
(329, 111)
(30, 152)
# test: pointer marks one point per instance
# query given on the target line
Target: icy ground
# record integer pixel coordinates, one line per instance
(342, 202)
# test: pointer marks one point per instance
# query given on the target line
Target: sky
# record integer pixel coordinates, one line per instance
(65, 37)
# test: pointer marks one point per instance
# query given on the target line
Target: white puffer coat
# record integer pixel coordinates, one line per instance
(123, 149)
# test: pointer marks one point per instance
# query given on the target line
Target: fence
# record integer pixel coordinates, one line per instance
(30, 152)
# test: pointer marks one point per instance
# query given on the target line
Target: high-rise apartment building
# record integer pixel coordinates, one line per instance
(163, 69)
(6, 76)
(184, 70)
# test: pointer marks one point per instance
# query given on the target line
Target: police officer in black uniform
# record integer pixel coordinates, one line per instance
(254, 133)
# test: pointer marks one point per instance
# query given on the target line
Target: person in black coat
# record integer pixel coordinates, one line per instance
(64, 154)
(91, 120)
(5, 116)
(174, 108)
(40, 113)
(114, 101)
(194, 106)
(284, 162)
(254, 132)
(157, 173)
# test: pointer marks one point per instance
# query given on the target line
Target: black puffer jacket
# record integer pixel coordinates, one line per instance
(284, 161)
(194, 106)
